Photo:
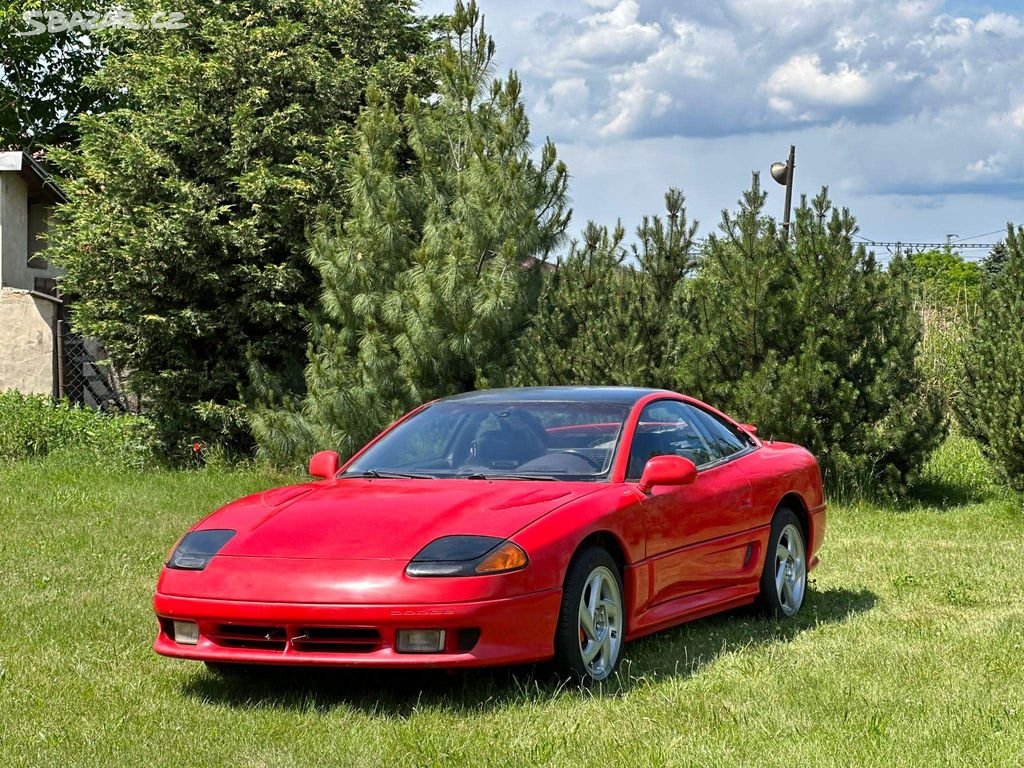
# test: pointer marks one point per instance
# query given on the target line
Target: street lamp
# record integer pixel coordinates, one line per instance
(783, 173)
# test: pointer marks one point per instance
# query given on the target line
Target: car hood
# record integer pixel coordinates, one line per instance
(358, 519)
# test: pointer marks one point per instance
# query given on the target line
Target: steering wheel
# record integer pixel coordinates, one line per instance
(590, 460)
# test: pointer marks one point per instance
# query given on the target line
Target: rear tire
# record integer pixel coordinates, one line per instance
(784, 577)
(592, 620)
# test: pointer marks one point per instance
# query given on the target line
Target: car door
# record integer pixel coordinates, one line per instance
(690, 529)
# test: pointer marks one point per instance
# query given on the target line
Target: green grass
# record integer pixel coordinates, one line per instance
(909, 652)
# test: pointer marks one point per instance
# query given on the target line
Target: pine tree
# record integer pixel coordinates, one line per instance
(740, 327)
(994, 262)
(610, 314)
(432, 275)
(991, 408)
(812, 341)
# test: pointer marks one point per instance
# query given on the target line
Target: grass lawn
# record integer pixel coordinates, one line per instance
(909, 651)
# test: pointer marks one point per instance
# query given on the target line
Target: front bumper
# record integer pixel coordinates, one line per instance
(511, 631)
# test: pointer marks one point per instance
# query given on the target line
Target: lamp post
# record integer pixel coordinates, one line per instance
(783, 173)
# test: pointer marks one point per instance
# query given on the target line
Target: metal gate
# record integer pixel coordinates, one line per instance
(81, 377)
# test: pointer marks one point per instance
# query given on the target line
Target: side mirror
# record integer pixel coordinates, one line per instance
(667, 470)
(749, 428)
(324, 464)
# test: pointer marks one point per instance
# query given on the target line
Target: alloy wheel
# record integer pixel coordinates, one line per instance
(790, 569)
(600, 620)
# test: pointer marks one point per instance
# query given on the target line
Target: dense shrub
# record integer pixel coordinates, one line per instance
(33, 426)
(945, 278)
(813, 341)
(185, 236)
(992, 406)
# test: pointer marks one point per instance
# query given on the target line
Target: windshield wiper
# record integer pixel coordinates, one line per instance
(392, 475)
(482, 476)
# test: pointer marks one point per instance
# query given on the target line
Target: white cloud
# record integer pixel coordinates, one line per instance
(987, 167)
(1001, 25)
(913, 10)
(571, 91)
(1016, 118)
(633, 104)
(801, 81)
(1012, 119)
(929, 142)
(610, 37)
(619, 70)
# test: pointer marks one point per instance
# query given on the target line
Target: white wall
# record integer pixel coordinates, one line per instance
(14, 235)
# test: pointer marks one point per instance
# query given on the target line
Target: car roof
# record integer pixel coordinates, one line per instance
(617, 395)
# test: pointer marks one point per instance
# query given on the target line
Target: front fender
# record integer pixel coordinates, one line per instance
(552, 540)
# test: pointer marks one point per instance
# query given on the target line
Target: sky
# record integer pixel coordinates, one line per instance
(911, 111)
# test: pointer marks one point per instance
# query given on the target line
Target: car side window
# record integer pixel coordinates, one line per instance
(665, 428)
(723, 438)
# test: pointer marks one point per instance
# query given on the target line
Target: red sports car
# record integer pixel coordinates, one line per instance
(499, 527)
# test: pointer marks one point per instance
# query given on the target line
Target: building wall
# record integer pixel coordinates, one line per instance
(14, 235)
(26, 342)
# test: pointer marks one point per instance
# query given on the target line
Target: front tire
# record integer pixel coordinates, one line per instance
(784, 578)
(591, 623)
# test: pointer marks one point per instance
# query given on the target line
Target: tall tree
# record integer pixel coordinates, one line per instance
(43, 72)
(991, 407)
(739, 310)
(609, 314)
(430, 277)
(812, 341)
(184, 241)
(944, 278)
(994, 261)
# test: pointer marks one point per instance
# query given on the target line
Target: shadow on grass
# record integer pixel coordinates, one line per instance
(956, 474)
(679, 652)
(941, 493)
(931, 491)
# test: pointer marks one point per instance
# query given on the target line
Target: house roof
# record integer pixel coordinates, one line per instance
(40, 182)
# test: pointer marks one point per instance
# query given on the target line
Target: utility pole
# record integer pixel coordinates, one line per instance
(783, 173)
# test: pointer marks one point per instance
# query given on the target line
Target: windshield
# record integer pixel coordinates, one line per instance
(513, 440)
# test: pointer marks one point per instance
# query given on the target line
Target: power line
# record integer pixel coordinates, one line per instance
(911, 246)
(983, 234)
(916, 246)
(898, 246)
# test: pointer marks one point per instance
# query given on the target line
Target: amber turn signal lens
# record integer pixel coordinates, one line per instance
(507, 557)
